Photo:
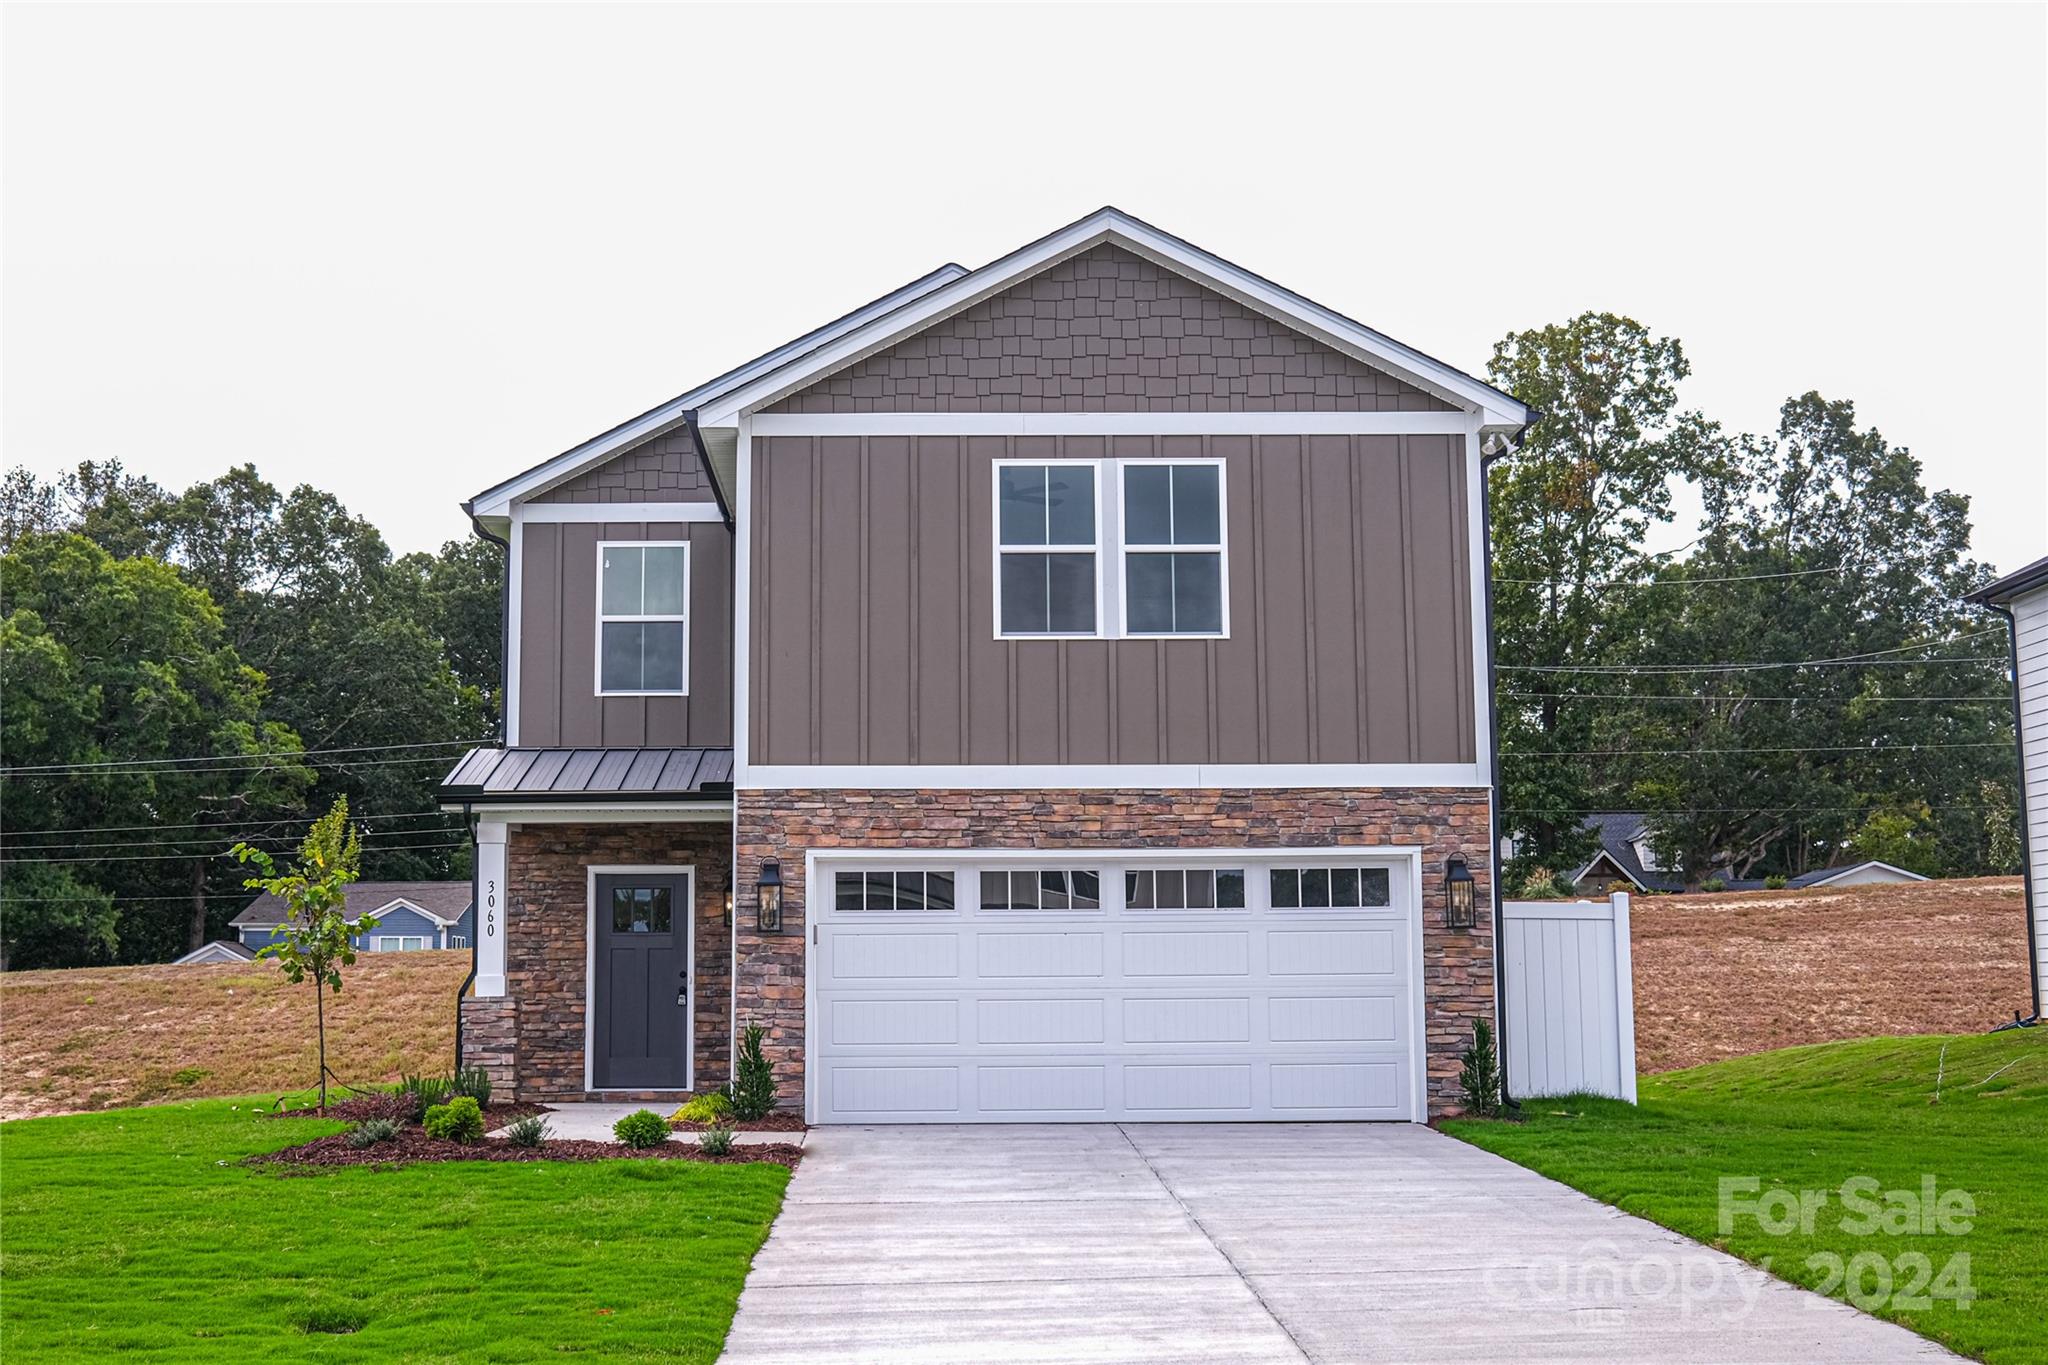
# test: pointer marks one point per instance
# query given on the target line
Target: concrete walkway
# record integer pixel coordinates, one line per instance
(593, 1123)
(1218, 1243)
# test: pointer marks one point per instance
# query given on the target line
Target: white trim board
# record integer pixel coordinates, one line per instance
(609, 813)
(1099, 776)
(689, 910)
(628, 512)
(1114, 424)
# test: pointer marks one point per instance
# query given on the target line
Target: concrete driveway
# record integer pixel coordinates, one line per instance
(1267, 1242)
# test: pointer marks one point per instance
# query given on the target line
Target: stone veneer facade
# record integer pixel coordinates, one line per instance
(531, 1040)
(1458, 977)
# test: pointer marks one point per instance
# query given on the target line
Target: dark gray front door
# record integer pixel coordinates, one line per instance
(640, 1012)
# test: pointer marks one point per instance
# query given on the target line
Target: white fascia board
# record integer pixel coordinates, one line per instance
(403, 904)
(610, 813)
(1106, 776)
(497, 501)
(1113, 424)
(1109, 225)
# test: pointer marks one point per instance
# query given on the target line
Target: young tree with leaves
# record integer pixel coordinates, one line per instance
(317, 938)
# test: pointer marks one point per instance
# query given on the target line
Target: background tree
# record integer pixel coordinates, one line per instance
(317, 938)
(1569, 515)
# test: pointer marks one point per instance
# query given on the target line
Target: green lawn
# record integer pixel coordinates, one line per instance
(134, 1230)
(1810, 1118)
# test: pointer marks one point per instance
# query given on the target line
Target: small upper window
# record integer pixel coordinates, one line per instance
(642, 632)
(1045, 536)
(1329, 888)
(1173, 549)
(1042, 889)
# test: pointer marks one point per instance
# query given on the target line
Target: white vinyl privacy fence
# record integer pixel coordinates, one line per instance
(1569, 1012)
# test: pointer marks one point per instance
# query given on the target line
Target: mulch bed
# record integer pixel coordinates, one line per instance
(778, 1121)
(398, 1108)
(413, 1146)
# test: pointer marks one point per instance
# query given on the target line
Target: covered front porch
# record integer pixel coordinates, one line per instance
(603, 948)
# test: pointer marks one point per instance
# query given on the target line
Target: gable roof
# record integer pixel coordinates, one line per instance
(1824, 875)
(2015, 584)
(1619, 832)
(951, 289)
(442, 902)
(219, 950)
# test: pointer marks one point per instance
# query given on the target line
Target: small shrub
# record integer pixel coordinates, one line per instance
(425, 1092)
(641, 1129)
(753, 1087)
(1774, 882)
(1480, 1077)
(370, 1132)
(1713, 884)
(530, 1131)
(709, 1107)
(459, 1120)
(474, 1082)
(716, 1140)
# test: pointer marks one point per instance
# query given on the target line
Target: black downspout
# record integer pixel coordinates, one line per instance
(1498, 795)
(710, 476)
(2012, 645)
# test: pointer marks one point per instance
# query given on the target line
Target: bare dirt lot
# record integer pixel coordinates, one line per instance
(1723, 975)
(103, 1037)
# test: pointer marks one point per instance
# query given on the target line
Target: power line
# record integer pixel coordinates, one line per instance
(1697, 697)
(1736, 810)
(239, 760)
(1668, 582)
(1873, 658)
(222, 853)
(220, 824)
(1653, 754)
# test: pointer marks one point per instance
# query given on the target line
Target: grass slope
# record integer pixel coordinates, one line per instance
(135, 1231)
(1810, 1118)
(102, 1037)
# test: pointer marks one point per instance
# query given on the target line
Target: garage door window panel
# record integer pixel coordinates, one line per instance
(1330, 888)
(1041, 889)
(1190, 888)
(892, 890)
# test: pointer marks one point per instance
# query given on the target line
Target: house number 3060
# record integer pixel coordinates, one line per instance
(491, 909)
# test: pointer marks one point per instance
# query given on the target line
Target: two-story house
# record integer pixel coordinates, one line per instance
(1054, 691)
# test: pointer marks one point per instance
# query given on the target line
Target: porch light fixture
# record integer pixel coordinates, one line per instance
(768, 910)
(728, 898)
(1460, 892)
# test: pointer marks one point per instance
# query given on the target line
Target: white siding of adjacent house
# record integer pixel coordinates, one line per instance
(2030, 616)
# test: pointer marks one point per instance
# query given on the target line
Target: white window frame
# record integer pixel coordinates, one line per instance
(383, 940)
(597, 631)
(1110, 550)
(1221, 548)
(998, 549)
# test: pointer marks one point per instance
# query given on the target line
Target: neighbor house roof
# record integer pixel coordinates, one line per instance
(949, 290)
(485, 776)
(219, 950)
(443, 902)
(1619, 833)
(2015, 584)
(1821, 876)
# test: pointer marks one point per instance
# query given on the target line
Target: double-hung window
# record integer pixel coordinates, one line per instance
(643, 593)
(1172, 548)
(1111, 548)
(1048, 567)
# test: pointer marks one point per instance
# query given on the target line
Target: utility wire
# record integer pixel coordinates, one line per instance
(1701, 696)
(172, 764)
(1735, 810)
(1667, 582)
(1872, 658)
(222, 853)
(162, 825)
(1787, 749)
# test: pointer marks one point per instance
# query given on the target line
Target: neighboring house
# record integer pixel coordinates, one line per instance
(411, 916)
(219, 950)
(2022, 599)
(1626, 857)
(1054, 691)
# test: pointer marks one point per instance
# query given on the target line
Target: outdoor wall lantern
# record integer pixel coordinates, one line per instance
(1459, 894)
(768, 912)
(728, 898)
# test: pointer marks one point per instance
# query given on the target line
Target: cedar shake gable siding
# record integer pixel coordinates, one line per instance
(1109, 331)
(665, 469)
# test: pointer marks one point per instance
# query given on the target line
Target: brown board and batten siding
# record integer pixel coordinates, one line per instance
(873, 637)
(558, 700)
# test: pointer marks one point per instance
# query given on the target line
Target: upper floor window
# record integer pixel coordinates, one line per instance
(1173, 548)
(642, 630)
(1048, 571)
(1161, 520)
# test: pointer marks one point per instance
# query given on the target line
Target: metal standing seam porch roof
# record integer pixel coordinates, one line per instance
(579, 776)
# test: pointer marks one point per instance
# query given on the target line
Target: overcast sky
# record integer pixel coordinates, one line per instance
(401, 252)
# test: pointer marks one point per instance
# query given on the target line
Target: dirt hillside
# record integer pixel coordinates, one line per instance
(104, 1037)
(1724, 975)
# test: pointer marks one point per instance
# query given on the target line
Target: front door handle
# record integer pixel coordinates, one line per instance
(682, 988)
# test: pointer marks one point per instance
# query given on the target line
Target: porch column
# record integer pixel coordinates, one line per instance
(490, 909)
